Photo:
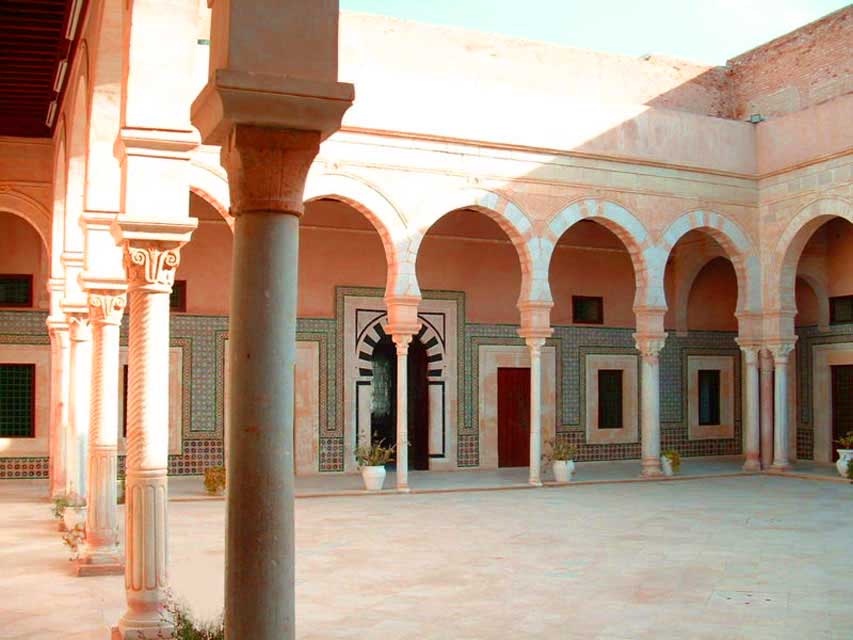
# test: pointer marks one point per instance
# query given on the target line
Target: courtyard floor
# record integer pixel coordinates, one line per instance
(756, 557)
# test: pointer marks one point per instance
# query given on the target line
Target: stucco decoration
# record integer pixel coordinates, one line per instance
(790, 247)
(509, 216)
(624, 224)
(386, 218)
(737, 245)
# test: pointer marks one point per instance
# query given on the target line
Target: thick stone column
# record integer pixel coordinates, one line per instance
(151, 258)
(101, 554)
(766, 376)
(649, 348)
(60, 363)
(752, 433)
(80, 381)
(402, 342)
(780, 406)
(535, 345)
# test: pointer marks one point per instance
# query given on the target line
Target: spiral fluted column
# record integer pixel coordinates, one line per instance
(151, 256)
(60, 363)
(77, 448)
(101, 553)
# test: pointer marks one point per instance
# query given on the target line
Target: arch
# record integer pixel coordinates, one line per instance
(369, 337)
(509, 216)
(77, 147)
(734, 241)
(790, 247)
(57, 239)
(211, 185)
(382, 214)
(815, 281)
(616, 218)
(688, 271)
(31, 210)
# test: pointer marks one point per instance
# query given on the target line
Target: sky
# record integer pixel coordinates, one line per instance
(710, 31)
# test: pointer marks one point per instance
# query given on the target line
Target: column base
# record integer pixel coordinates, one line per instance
(752, 464)
(403, 490)
(534, 482)
(100, 564)
(142, 634)
(781, 467)
(651, 469)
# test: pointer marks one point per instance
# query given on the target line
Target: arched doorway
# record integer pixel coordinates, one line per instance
(383, 414)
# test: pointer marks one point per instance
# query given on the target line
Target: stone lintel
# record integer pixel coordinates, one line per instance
(133, 229)
(158, 143)
(233, 98)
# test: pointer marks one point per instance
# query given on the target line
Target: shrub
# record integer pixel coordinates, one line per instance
(846, 441)
(58, 509)
(674, 459)
(561, 450)
(850, 470)
(374, 455)
(73, 539)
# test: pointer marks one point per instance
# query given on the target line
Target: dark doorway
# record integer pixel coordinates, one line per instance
(842, 403)
(383, 418)
(513, 417)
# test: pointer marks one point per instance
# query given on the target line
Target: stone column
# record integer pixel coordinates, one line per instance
(80, 381)
(780, 406)
(752, 433)
(766, 376)
(151, 256)
(535, 345)
(650, 347)
(101, 554)
(402, 341)
(60, 348)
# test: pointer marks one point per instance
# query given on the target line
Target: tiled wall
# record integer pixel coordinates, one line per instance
(203, 340)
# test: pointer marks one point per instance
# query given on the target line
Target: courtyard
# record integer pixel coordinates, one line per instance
(713, 557)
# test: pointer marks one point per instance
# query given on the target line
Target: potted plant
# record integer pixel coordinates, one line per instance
(214, 480)
(670, 462)
(371, 460)
(74, 539)
(58, 510)
(74, 512)
(562, 459)
(845, 453)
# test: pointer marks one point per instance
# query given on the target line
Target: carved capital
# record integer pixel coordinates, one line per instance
(151, 266)
(267, 168)
(402, 340)
(650, 345)
(80, 329)
(750, 350)
(106, 307)
(535, 346)
(780, 352)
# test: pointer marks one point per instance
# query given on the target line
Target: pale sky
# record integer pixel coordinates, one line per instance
(710, 32)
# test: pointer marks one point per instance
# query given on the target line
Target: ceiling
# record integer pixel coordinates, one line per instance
(33, 42)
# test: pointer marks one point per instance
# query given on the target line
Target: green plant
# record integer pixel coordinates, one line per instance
(187, 628)
(561, 450)
(846, 441)
(214, 479)
(674, 459)
(850, 470)
(374, 455)
(73, 539)
(58, 508)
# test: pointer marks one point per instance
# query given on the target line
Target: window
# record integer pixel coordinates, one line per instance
(610, 398)
(587, 310)
(178, 299)
(709, 397)
(841, 309)
(17, 400)
(16, 290)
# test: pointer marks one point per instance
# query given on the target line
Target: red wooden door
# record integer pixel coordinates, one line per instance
(513, 417)
(842, 403)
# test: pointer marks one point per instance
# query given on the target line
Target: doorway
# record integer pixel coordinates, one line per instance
(513, 416)
(383, 415)
(842, 403)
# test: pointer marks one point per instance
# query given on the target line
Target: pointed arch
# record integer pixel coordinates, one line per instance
(738, 248)
(616, 218)
(509, 216)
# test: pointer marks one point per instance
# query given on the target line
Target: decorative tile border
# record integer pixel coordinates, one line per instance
(805, 444)
(23, 468)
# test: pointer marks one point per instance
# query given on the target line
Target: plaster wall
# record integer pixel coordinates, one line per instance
(713, 298)
(22, 252)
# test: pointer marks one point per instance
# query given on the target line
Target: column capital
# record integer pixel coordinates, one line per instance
(534, 343)
(402, 315)
(750, 348)
(80, 328)
(781, 350)
(106, 307)
(267, 168)
(402, 340)
(151, 249)
(535, 319)
(649, 345)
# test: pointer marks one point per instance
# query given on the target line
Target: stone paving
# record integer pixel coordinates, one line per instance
(755, 557)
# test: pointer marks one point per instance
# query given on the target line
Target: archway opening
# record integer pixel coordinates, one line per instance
(203, 279)
(24, 267)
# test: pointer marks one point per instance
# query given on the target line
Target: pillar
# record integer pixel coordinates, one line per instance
(766, 377)
(151, 256)
(535, 345)
(752, 433)
(650, 347)
(780, 406)
(101, 554)
(60, 354)
(402, 342)
(80, 358)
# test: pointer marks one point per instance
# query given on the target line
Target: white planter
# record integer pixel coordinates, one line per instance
(666, 466)
(563, 470)
(72, 516)
(374, 477)
(844, 455)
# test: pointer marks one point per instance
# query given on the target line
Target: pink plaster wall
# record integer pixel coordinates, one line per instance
(206, 266)
(839, 241)
(22, 251)
(807, 308)
(713, 298)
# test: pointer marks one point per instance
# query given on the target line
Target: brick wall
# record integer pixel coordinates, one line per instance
(798, 70)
